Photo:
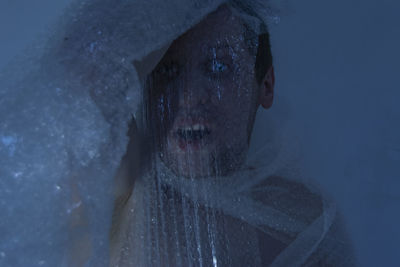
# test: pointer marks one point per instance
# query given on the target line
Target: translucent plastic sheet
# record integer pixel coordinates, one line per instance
(130, 146)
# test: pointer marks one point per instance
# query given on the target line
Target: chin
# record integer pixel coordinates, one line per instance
(189, 159)
(190, 164)
(201, 159)
(199, 165)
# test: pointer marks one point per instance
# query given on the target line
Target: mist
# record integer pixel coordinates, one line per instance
(336, 66)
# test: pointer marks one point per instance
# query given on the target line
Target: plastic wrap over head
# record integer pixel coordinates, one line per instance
(98, 43)
(65, 117)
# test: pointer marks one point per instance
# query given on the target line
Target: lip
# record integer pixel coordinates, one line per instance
(194, 123)
(189, 122)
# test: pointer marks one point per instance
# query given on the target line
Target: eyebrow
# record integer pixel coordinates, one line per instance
(219, 47)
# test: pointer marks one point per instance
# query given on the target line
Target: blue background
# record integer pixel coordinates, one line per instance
(337, 65)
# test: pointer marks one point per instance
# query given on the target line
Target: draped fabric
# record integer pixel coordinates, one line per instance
(225, 221)
(62, 152)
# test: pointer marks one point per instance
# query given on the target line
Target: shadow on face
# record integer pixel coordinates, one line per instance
(204, 97)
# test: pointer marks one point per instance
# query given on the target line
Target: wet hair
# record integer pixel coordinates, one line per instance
(258, 44)
(263, 57)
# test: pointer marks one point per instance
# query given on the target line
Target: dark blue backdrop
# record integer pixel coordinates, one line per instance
(337, 64)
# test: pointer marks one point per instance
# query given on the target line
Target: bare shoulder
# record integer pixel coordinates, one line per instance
(294, 198)
(305, 204)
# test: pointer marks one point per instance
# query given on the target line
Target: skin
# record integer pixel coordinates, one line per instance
(207, 78)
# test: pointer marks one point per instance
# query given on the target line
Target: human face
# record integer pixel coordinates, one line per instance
(203, 98)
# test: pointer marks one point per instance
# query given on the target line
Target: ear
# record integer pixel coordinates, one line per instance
(266, 95)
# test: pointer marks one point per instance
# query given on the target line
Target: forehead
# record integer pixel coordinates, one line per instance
(220, 30)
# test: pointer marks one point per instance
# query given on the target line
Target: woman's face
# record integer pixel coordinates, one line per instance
(203, 98)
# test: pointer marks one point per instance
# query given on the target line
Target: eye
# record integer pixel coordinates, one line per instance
(217, 66)
(168, 70)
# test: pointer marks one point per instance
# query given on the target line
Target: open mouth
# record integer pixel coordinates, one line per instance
(193, 133)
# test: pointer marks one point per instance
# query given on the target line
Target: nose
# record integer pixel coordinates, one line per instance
(193, 90)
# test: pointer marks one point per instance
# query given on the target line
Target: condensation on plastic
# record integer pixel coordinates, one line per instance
(64, 123)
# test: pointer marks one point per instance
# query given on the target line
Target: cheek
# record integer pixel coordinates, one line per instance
(234, 117)
(165, 106)
(238, 98)
(236, 109)
(241, 85)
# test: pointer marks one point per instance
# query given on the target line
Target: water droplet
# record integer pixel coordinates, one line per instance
(215, 261)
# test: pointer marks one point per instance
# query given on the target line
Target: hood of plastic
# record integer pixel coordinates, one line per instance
(64, 110)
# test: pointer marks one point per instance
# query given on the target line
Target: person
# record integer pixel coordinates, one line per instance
(195, 199)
